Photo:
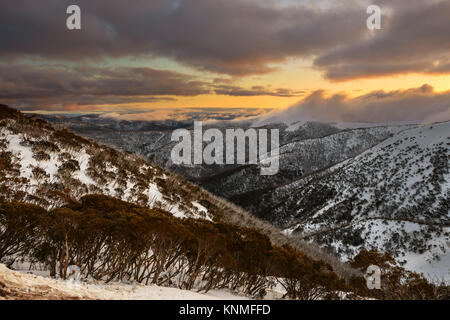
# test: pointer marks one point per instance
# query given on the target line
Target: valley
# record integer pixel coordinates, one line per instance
(383, 187)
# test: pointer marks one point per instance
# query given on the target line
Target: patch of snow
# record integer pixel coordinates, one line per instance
(39, 287)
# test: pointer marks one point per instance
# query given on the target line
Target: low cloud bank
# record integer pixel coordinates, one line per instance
(416, 105)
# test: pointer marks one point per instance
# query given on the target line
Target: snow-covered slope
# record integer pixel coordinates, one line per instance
(49, 167)
(297, 158)
(45, 165)
(306, 147)
(18, 285)
(394, 197)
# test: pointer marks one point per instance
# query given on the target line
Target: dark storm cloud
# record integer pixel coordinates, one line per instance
(418, 105)
(32, 87)
(227, 36)
(256, 91)
(236, 37)
(416, 38)
(43, 86)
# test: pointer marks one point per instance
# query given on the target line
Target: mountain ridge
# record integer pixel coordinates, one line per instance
(50, 167)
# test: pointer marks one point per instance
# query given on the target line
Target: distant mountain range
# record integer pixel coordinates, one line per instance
(393, 197)
(47, 165)
(50, 166)
(344, 186)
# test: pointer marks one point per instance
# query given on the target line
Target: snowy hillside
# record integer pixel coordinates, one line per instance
(297, 159)
(19, 285)
(393, 197)
(306, 147)
(344, 185)
(47, 166)
(382, 187)
(51, 167)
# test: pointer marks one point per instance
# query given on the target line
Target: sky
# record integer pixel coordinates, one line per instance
(297, 58)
